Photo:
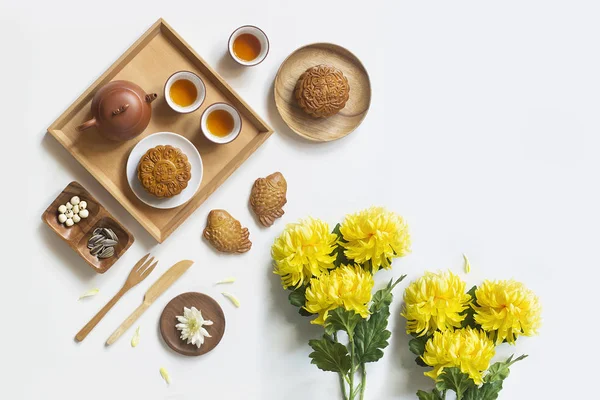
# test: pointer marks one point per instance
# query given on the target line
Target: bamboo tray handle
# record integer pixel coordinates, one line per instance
(127, 323)
(82, 334)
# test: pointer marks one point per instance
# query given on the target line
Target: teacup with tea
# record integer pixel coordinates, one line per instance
(248, 45)
(221, 123)
(184, 92)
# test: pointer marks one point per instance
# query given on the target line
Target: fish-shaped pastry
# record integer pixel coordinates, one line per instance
(268, 197)
(225, 233)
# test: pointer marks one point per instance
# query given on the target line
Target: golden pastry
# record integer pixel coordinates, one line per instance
(322, 91)
(164, 171)
(268, 197)
(225, 233)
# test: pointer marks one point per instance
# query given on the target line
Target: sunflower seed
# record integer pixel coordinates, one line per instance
(94, 239)
(97, 249)
(108, 233)
(113, 236)
(107, 252)
(109, 242)
(102, 242)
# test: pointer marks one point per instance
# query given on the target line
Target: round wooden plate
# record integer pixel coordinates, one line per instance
(336, 126)
(210, 310)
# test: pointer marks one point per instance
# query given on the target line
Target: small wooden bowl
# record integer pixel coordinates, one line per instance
(330, 128)
(210, 309)
(77, 235)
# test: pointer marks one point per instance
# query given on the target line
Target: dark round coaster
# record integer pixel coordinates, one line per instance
(210, 310)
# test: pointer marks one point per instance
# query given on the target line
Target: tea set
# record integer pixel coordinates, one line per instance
(165, 170)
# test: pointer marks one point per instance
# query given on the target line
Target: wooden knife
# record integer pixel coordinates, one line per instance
(158, 288)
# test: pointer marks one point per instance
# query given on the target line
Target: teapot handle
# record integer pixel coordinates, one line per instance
(87, 125)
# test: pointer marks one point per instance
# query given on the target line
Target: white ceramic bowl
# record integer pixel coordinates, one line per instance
(175, 140)
(262, 38)
(200, 87)
(237, 123)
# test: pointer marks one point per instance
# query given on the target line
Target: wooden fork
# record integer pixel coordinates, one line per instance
(139, 272)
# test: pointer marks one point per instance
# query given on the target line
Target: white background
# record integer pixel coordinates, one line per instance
(483, 133)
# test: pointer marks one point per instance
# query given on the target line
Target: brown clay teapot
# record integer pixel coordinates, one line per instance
(121, 110)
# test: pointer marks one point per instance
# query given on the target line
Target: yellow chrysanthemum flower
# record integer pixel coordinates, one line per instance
(348, 286)
(302, 251)
(469, 349)
(434, 302)
(375, 235)
(507, 309)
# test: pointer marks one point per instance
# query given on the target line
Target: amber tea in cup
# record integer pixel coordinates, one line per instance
(221, 123)
(248, 45)
(184, 92)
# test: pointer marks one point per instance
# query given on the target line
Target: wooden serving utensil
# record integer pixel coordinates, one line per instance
(138, 273)
(158, 288)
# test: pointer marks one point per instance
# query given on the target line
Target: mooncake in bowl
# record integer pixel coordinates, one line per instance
(322, 91)
(164, 171)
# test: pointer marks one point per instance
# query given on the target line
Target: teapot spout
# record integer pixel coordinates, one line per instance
(151, 97)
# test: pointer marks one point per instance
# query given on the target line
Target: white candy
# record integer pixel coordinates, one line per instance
(75, 209)
(82, 205)
(74, 200)
(69, 214)
(69, 205)
(62, 218)
(76, 218)
(84, 213)
(69, 222)
(62, 209)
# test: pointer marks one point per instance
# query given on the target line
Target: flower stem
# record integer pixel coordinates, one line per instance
(343, 377)
(363, 381)
(343, 386)
(352, 370)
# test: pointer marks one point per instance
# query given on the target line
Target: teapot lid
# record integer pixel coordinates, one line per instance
(121, 109)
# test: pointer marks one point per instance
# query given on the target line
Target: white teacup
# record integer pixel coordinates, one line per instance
(257, 33)
(237, 123)
(200, 90)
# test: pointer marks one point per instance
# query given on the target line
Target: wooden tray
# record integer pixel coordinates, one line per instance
(336, 126)
(149, 62)
(77, 235)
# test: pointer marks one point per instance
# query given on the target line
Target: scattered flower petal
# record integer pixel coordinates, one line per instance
(89, 293)
(135, 340)
(231, 297)
(165, 375)
(467, 264)
(227, 280)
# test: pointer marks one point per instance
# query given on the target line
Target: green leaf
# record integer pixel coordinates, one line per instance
(329, 355)
(417, 344)
(487, 391)
(434, 395)
(453, 379)
(471, 293)
(341, 319)
(302, 311)
(470, 312)
(420, 362)
(499, 371)
(338, 252)
(384, 297)
(371, 336)
(338, 232)
(297, 296)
